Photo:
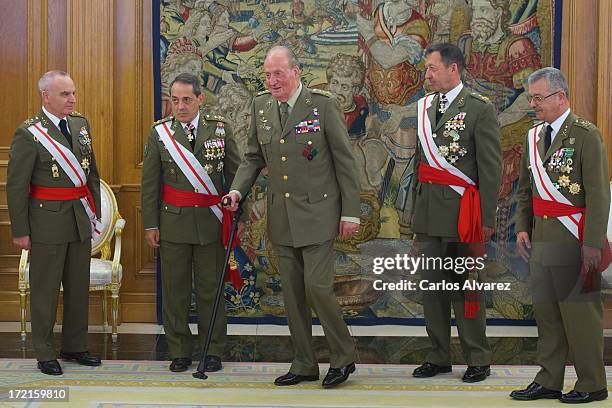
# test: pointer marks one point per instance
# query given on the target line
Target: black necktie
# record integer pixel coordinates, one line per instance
(189, 131)
(284, 113)
(547, 138)
(64, 128)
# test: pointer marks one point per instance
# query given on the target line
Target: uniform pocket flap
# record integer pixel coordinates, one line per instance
(316, 196)
(49, 205)
(170, 208)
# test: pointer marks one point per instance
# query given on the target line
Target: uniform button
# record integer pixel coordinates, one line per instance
(284, 158)
(285, 178)
(165, 207)
(196, 206)
(41, 204)
(282, 141)
(546, 217)
(310, 142)
(325, 195)
(287, 195)
(195, 190)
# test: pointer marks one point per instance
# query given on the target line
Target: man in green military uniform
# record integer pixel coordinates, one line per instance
(458, 157)
(53, 192)
(563, 204)
(195, 156)
(313, 196)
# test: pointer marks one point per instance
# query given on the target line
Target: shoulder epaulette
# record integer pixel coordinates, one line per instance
(218, 118)
(321, 92)
(166, 119)
(480, 97)
(31, 121)
(75, 113)
(262, 93)
(583, 123)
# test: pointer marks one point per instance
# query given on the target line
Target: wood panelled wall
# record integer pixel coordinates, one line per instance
(106, 46)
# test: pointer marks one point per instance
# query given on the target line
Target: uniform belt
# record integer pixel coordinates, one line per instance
(63, 194)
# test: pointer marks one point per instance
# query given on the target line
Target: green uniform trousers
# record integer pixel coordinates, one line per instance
(52, 265)
(568, 322)
(437, 308)
(179, 262)
(307, 275)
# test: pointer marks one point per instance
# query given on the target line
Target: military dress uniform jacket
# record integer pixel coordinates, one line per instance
(312, 177)
(478, 155)
(582, 177)
(50, 221)
(187, 225)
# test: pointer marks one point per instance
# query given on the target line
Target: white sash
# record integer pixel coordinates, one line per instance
(69, 163)
(189, 165)
(545, 187)
(430, 148)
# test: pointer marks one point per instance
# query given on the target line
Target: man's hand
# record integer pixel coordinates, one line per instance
(591, 257)
(487, 233)
(235, 199)
(348, 228)
(523, 244)
(23, 242)
(152, 237)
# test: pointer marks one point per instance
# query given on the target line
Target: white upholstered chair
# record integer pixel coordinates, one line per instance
(106, 272)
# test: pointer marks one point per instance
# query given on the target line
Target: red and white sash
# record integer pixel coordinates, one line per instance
(545, 187)
(432, 153)
(189, 165)
(69, 163)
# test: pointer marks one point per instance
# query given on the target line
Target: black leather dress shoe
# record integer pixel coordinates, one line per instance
(580, 397)
(81, 357)
(292, 379)
(51, 367)
(476, 374)
(212, 364)
(180, 364)
(337, 376)
(535, 391)
(429, 370)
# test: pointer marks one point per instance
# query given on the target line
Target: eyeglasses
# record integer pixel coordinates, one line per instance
(538, 99)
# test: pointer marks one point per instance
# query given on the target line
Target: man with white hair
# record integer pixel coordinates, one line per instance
(563, 204)
(53, 192)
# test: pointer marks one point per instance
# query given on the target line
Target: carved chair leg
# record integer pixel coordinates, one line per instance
(22, 313)
(114, 312)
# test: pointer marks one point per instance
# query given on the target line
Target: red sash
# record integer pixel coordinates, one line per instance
(555, 209)
(469, 224)
(185, 198)
(63, 194)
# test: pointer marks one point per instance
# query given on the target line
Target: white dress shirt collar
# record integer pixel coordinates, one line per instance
(194, 122)
(452, 94)
(556, 125)
(54, 118)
